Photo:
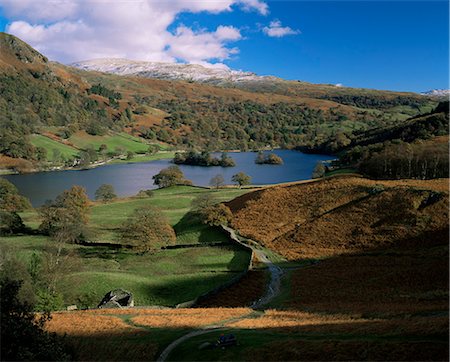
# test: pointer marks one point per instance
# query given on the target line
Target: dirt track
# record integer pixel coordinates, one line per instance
(273, 289)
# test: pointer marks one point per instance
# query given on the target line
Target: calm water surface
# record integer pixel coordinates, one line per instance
(128, 179)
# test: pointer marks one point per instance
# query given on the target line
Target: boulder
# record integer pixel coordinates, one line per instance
(117, 298)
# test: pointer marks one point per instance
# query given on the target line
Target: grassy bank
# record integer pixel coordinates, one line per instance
(165, 277)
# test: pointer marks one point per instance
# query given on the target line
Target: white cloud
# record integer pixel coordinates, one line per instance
(257, 5)
(71, 30)
(276, 30)
(338, 85)
(196, 46)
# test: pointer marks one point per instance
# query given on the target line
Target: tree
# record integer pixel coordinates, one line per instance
(105, 193)
(170, 176)
(10, 199)
(210, 211)
(216, 215)
(22, 334)
(66, 217)
(148, 228)
(319, 170)
(241, 179)
(217, 181)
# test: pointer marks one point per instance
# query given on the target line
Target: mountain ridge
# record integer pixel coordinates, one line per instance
(169, 71)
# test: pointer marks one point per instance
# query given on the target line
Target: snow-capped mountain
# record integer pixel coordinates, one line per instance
(171, 71)
(437, 92)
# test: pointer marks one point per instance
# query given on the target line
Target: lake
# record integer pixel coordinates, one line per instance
(128, 179)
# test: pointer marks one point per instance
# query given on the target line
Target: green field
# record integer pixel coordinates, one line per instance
(146, 158)
(123, 140)
(41, 141)
(165, 277)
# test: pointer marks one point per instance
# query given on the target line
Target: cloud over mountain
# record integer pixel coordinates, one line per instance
(69, 30)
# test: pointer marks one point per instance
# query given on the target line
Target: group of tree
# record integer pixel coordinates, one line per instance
(269, 159)
(203, 159)
(398, 160)
(172, 176)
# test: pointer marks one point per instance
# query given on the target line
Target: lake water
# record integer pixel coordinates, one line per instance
(128, 179)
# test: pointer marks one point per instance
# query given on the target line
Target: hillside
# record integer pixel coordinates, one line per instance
(57, 101)
(351, 289)
(342, 215)
(225, 77)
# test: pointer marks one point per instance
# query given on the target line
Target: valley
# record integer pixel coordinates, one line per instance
(297, 221)
(386, 300)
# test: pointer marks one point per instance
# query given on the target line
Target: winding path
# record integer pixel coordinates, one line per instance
(273, 289)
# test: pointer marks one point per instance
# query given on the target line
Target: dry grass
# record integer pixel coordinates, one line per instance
(88, 324)
(395, 283)
(341, 215)
(293, 321)
(189, 318)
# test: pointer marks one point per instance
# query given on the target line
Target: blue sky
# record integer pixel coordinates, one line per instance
(396, 45)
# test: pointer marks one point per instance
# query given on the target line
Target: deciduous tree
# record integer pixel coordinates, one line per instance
(170, 176)
(148, 228)
(105, 193)
(241, 179)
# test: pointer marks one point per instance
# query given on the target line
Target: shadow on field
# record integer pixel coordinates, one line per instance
(190, 287)
(318, 341)
(190, 223)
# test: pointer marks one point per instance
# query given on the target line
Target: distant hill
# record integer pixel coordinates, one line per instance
(437, 93)
(245, 112)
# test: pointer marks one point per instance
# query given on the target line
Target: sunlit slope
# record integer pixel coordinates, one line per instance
(342, 215)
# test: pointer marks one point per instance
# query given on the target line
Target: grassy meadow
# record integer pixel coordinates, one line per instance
(83, 140)
(47, 143)
(165, 277)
